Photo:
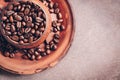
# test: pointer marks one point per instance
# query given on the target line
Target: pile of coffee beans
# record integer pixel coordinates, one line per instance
(23, 22)
(51, 42)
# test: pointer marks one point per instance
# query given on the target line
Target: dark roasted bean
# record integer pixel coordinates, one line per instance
(11, 19)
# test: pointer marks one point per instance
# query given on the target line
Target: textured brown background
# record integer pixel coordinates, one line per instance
(95, 52)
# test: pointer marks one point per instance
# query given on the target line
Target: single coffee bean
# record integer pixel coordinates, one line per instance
(33, 31)
(21, 42)
(43, 54)
(9, 13)
(39, 50)
(53, 47)
(12, 55)
(36, 27)
(13, 28)
(60, 21)
(62, 27)
(8, 33)
(15, 38)
(30, 52)
(36, 53)
(11, 19)
(18, 24)
(57, 10)
(48, 51)
(51, 10)
(40, 13)
(33, 57)
(29, 24)
(25, 57)
(19, 7)
(4, 18)
(50, 5)
(56, 41)
(38, 57)
(54, 23)
(7, 27)
(37, 33)
(27, 10)
(10, 7)
(27, 30)
(38, 19)
(29, 56)
(59, 15)
(23, 24)
(25, 40)
(55, 5)
(56, 36)
(21, 37)
(30, 39)
(17, 17)
(55, 29)
(6, 54)
(22, 8)
(21, 14)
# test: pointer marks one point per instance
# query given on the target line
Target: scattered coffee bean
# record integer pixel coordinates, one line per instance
(6, 54)
(11, 19)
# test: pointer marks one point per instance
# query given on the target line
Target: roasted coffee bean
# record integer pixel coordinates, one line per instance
(27, 30)
(10, 7)
(55, 5)
(59, 16)
(21, 42)
(12, 55)
(22, 8)
(13, 28)
(37, 33)
(51, 10)
(56, 36)
(15, 38)
(30, 39)
(38, 19)
(38, 57)
(21, 37)
(11, 19)
(32, 57)
(18, 24)
(29, 56)
(23, 24)
(4, 18)
(36, 53)
(43, 54)
(48, 51)
(57, 10)
(31, 51)
(29, 24)
(7, 27)
(33, 31)
(21, 14)
(9, 13)
(26, 18)
(19, 7)
(6, 54)
(17, 17)
(62, 27)
(55, 29)
(50, 5)
(54, 23)
(60, 21)
(56, 41)
(25, 56)
(39, 50)
(27, 10)
(8, 33)
(53, 47)
(25, 40)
